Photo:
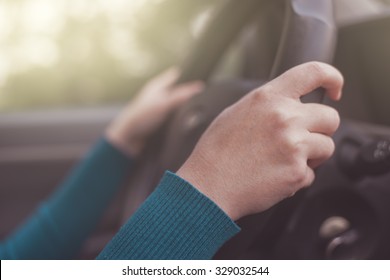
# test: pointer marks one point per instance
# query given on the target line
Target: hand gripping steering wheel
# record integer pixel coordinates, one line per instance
(308, 33)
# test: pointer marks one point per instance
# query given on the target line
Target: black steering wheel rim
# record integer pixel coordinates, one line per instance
(308, 34)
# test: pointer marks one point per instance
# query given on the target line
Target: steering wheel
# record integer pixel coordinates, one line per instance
(308, 33)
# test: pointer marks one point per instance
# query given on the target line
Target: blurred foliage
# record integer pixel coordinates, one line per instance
(88, 52)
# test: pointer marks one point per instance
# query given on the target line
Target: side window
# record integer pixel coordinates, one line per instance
(88, 53)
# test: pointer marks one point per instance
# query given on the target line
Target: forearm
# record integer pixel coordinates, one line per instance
(60, 225)
(175, 222)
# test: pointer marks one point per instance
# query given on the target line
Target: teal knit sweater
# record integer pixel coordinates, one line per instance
(175, 222)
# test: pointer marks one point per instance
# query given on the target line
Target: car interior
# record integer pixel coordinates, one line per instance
(345, 214)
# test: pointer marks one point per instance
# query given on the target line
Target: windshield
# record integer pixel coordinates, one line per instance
(83, 52)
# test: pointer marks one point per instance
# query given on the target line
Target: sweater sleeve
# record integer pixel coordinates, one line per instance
(61, 224)
(175, 222)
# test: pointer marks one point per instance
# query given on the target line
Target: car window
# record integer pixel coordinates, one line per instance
(86, 52)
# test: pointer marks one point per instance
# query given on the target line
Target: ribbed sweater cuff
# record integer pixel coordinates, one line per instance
(175, 222)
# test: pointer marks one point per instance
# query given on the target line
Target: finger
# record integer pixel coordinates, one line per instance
(320, 148)
(314, 163)
(185, 91)
(320, 118)
(305, 78)
(195, 86)
(310, 176)
(167, 78)
(307, 181)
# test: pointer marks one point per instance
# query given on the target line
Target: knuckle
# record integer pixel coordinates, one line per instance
(282, 120)
(298, 173)
(310, 177)
(267, 88)
(263, 93)
(334, 118)
(317, 69)
(278, 117)
(293, 147)
(304, 177)
(330, 147)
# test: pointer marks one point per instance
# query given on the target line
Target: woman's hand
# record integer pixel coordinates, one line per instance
(140, 119)
(264, 148)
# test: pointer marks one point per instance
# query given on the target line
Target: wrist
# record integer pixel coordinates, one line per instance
(123, 141)
(206, 181)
